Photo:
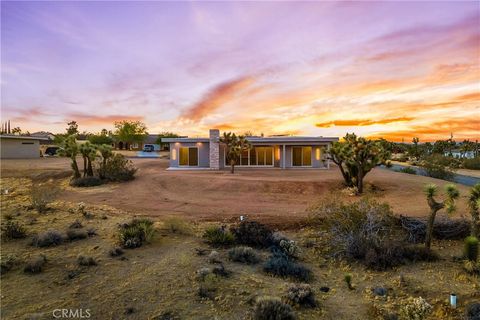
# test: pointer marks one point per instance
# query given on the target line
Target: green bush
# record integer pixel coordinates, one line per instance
(47, 239)
(254, 234)
(438, 166)
(271, 308)
(415, 308)
(392, 254)
(280, 265)
(408, 170)
(13, 230)
(118, 168)
(244, 255)
(218, 236)
(473, 164)
(86, 182)
(135, 233)
(300, 294)
(471, 248)
(35, 265)
(41, 195)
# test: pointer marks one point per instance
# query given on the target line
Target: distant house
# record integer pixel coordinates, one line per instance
(20, 147)
(47, 137)
(151, 139)
(283, 152)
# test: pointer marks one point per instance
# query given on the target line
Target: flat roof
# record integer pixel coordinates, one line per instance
(279, 139)
(11, 136)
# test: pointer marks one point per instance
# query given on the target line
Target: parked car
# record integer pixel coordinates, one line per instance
(148, 148)
(50, 151)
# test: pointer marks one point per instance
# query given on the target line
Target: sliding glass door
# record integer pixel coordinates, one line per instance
(188, 156)
(256, 156)
(302, 156)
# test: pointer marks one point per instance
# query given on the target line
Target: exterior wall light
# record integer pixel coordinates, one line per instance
(317, 153)
(174, 154)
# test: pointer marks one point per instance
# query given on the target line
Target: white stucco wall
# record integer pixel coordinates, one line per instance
(14, 148)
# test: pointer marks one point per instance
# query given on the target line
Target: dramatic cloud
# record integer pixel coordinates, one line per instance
(387, 69)
(366, 122)
(217, 97)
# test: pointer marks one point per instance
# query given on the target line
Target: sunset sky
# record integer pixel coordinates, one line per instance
(395, 70)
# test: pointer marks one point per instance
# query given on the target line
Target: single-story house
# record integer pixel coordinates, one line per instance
(283, 152)
(19, 147)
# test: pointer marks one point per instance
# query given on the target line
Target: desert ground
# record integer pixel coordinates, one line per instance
(158, 280)
(270, 195)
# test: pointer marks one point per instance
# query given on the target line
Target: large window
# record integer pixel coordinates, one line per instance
(188, 156)
(256, 156)
(302, 156)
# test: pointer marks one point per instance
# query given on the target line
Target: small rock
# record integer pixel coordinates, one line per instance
(129, 310)
(324, 289)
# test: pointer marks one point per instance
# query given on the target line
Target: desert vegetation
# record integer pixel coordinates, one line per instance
(352, 256)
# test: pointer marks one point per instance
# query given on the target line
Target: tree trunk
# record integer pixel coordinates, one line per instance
(232, 166)
(84, 166)
(76, 172)
(475, 223)
(429, 231)
(89, 168)
(360, 181)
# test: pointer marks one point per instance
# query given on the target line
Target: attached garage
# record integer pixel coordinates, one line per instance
(19, 147)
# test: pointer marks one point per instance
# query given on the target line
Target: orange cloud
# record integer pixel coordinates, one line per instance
(87, 119)
(217, 97)
(365, 122)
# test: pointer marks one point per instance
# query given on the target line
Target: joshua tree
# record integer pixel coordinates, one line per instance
(89, 153)
(69, 148)
(474, 205)
(431, 191)
(356, 156)
(235, 145)
(106, 153)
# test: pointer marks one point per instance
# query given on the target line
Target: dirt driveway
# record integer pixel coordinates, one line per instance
(266, 194)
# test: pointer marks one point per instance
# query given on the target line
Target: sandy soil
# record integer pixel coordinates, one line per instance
(270, 195)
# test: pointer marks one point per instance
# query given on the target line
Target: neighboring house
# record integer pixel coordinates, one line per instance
(151, 139)
(48, 136)
(276, 152)
(19, 147)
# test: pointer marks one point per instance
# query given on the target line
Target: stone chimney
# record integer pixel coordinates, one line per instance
(214, 149)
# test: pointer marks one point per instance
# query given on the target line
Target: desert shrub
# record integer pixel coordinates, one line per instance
(47, 239)
(115, 252)
(86, 182)
(438, 166)
(243, 255)
(471, 248)
(348, 280)
(279, 264)
(221, 271)
(408, 170)
(35, 265)
(447, 229)
(356, 227)
(271, 308)
(86, 261)
(254, 234)
(208, 286)
(177, 225)
(300, 294)
(135, 233)
(472, 311)
(392, 254)
(76, 225)
(472, 267)
(118, 168)
(13, 230)
(415, 309)
(218, 236)
(7, 262)
(41, 195)
(473, 164)
(290, 248)
(75, 234)
(214, 257)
